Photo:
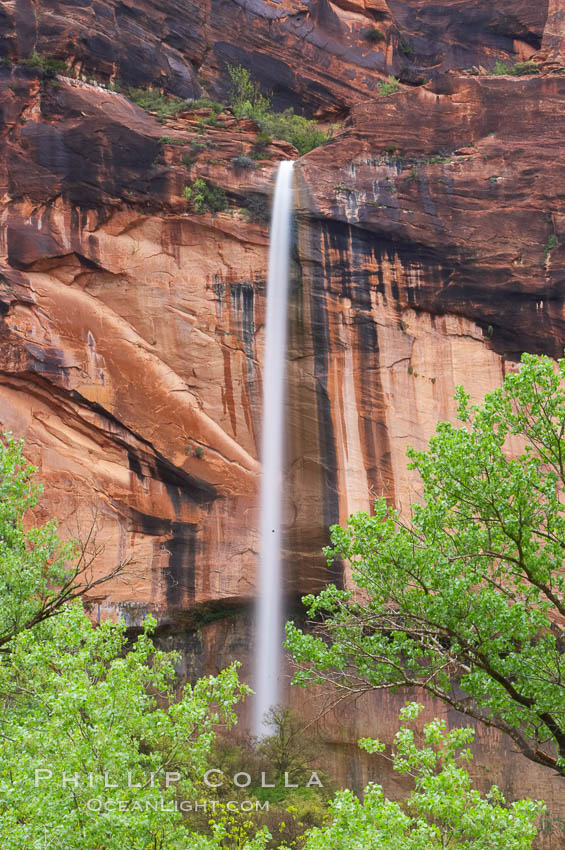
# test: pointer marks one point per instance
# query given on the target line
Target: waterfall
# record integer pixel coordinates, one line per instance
(269, 635)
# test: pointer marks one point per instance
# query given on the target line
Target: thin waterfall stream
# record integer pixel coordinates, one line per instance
(269, 635)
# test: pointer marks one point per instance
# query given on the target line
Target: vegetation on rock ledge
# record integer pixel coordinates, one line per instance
(249, 102)
(206, 196)
(390, 86)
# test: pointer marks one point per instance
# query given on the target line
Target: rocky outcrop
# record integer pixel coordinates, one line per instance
(429, 252)
(131, 338)
(319, 54)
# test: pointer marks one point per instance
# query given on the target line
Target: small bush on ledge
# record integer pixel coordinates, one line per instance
(242, 162)
(205, 103)
(520, 69)
(257, 209)
(373, 35)
(248, 102)
(206, 196)
(165, 106)
(390, 86)
(47, 64)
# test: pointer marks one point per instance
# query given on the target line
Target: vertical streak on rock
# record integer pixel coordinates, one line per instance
(180, 576)
(336, 351)
(371, 403)
(321, 339)
(227, 390)
(251, 398)
(372, 410)
(313, 453)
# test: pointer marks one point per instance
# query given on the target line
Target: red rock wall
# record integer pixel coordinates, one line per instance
(131, 330)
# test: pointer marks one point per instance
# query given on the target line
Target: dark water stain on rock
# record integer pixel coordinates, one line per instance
(320, 332)
(135, 465)
(181, 545)
(375, 441)
(180, 576)
(227, 390)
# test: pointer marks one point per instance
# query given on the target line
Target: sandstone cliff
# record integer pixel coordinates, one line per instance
(430, 247)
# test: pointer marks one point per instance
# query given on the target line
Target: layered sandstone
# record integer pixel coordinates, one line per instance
(429, 252)
(131, 340)
(314, 53)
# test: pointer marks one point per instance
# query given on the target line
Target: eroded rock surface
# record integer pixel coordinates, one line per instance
(321, 54)
(429, 252)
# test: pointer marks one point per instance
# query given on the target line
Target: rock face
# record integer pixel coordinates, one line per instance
(324, 55)
(429, 252)
(130, 342)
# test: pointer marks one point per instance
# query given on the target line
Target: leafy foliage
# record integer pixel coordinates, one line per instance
(390, 86)
(90, 716)
(205, 103)
(164, 105)
(249, 102)
(551, 244)
(206, 196)
(467, 599)
(443, 811)
(373, 35)
(288, 749)
(48, 64)
(405, 49)
(39, 573)
(301, 132)
(519, 69)
(247, 99)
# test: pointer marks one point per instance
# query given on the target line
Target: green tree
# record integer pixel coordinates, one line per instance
(95, 747)
(467, 598)
(39, 573)
(442, 812)
(390, 86)
(99, 746)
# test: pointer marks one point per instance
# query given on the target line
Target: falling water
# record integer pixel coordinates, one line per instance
(270, 600)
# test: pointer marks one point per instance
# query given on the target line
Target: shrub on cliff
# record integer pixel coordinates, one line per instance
(518, 70)
(466, 598)
(442, 811)
(304, 134)
(163, 105)
(243, 163)
(373, 35)
(257, 209)
(48, 64)
(206, 196)
(390, 86)
(249, 102)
